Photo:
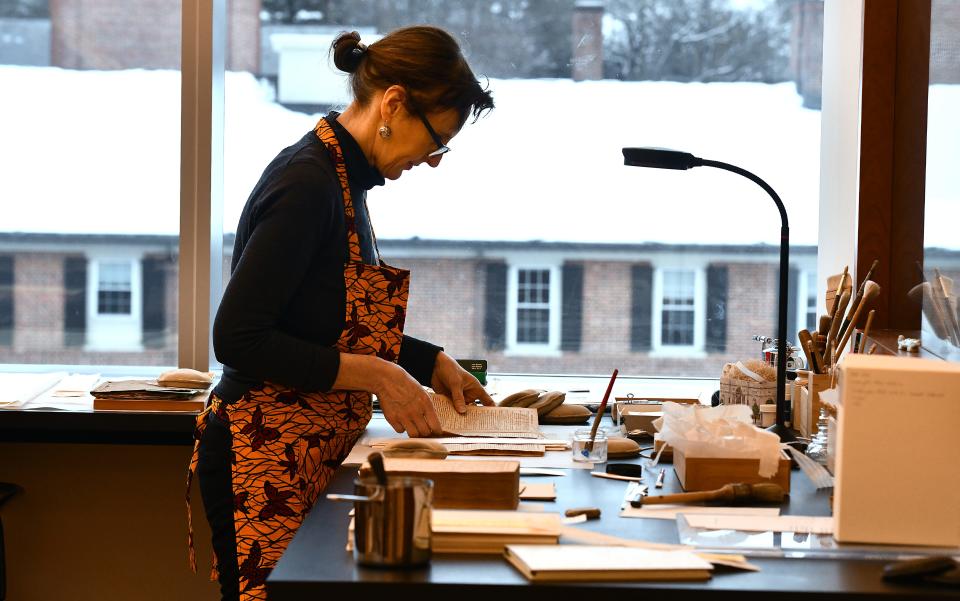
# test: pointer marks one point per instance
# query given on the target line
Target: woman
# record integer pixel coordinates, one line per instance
(311, 321)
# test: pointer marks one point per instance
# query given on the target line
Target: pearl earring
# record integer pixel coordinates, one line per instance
(385, 131)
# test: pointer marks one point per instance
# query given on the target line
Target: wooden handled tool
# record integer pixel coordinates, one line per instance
(870, 292)
(840, 287)
(841, 306)
(824, 326)
(764, 492)
(857, 300)
(806, 343)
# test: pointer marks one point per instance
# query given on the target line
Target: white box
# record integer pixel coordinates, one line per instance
(898, 451)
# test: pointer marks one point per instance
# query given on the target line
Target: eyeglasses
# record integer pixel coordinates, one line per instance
(441, 147)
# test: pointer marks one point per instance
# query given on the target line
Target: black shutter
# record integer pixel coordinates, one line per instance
(641, 302)
(75, 302)
(792, 304)
(495, 316)
(571, 314)
(154, 297)
(6, 300)
(717, 308)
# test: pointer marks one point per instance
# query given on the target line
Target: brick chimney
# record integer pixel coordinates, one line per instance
(587, 39)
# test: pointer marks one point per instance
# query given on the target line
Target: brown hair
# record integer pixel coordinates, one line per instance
(425, 60)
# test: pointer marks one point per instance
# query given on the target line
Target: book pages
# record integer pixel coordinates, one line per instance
(504, 422)
(479, 448)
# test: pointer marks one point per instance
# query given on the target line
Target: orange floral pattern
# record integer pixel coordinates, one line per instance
(286, 442)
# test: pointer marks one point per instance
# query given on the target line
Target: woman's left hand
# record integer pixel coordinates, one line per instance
(457, 383)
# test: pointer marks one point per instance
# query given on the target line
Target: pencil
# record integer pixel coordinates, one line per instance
(596, 421)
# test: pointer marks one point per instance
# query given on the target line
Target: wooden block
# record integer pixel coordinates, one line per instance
(709, 473)
(462, 484)
(641, 420)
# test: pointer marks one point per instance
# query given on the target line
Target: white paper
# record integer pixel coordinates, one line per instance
(763, 523)
(669, 512)
(18, 389)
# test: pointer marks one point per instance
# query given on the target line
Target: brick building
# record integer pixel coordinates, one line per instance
(60, 305)
(109, 34)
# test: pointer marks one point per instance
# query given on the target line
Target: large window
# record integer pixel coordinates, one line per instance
(531, 244)
(540, 181)
(91, 173)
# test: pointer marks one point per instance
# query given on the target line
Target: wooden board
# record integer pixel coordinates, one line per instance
(462, 484)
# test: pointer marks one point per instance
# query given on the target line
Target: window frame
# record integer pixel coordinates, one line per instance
(698, 348)
(99, 325)
(552, 347)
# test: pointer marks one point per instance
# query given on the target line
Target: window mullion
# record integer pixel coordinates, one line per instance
(201, 169)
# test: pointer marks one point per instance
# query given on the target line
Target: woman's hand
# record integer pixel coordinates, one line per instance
(457, 383)
(406, 405)
(404, 402)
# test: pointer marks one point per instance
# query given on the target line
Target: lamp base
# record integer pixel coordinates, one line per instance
(784, 433)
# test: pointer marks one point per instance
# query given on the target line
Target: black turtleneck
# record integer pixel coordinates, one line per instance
(283, 309)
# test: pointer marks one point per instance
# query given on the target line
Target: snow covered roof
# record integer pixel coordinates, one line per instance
(98, 152)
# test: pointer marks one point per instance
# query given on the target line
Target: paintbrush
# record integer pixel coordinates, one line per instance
(596, 421)
(870, 291)
(763, 492)
(806, 343)
(857, 299)
(841, 284)
(816, 365)
(835, 323)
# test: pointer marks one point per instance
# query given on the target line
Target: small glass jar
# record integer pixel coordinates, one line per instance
(582, 450)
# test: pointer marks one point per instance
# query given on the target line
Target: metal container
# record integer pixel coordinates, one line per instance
(391, 522)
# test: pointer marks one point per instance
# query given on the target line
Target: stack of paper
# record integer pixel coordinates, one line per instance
(19, 389)
(550, 563)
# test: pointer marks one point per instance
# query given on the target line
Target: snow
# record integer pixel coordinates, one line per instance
(98, 152)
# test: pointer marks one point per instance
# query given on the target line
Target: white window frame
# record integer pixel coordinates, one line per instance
(698, 348)
(552, 347)
(106, 332)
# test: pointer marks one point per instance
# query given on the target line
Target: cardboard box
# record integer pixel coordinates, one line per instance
(910, 497)
(461, 484)
(709, 473)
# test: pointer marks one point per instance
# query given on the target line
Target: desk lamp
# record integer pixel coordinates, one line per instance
(661, 158)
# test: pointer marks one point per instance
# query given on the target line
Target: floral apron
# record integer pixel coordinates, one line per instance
(287, 443)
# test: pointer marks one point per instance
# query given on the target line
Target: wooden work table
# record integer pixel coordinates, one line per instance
(316, 564)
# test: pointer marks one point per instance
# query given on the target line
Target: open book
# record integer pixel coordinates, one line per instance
(504, 422)
(604, 563)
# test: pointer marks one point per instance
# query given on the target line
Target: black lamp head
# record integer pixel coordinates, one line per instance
(660, 158)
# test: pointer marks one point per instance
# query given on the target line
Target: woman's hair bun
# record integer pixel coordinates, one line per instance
(348, 51)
